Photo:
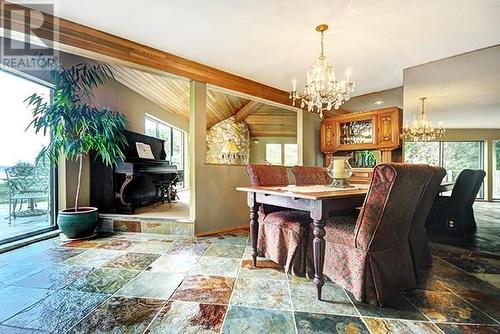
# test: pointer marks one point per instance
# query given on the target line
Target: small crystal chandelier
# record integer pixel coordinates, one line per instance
(322, 91)
(421, 128)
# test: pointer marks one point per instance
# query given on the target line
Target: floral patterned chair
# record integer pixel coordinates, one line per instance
(455, 214)
(282, 235)
(310, 175)
(370, 255)
(419, 245)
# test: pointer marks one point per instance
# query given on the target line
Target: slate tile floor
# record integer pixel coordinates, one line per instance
(147, 283)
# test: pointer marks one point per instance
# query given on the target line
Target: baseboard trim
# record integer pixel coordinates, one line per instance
(223, 230)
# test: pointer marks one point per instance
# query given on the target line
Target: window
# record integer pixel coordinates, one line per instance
(282, 154)
(291, 154)
(454, 156)
(273, 154)
(496, 169)
(27, 191)
(174, 141)
(422, 153)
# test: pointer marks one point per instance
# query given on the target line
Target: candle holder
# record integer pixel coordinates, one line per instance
(340, 170)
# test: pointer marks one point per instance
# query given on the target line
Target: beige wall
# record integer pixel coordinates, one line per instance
(389, 98)
(215, 203)
(309, 132)
(134, 106)
(258, 150)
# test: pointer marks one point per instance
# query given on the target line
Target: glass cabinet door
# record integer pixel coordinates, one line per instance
(356, 132)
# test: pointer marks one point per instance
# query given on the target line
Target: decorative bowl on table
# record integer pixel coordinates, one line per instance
(340, 170)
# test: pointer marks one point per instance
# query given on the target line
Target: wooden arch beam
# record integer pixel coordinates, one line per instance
(247, 110)
(86, 38)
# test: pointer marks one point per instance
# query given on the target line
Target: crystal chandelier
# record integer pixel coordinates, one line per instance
(322, 91)
(421, 128)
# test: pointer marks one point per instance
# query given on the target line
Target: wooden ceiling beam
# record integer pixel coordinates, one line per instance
(76, 35)
(247, 110)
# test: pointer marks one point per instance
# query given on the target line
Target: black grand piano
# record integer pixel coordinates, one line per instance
(134, 182)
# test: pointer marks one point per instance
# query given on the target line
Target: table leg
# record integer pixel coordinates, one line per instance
(254, 232)
(319, 255)
(254, 224)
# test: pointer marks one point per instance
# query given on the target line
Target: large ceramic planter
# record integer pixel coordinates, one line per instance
(79, 224)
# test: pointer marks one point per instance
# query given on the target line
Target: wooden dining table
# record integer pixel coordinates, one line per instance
(321, 201)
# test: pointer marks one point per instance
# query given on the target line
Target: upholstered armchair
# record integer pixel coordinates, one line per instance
(282, 233)
(370, 255)
(310, 175)
(419, 245)
(455, 213)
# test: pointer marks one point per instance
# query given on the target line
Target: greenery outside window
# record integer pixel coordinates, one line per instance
(454, 156)
(273, 154)
(496, 170)
(282, 154)
(174, 141)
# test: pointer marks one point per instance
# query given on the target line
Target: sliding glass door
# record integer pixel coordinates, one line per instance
(27, 187)
(454, 156)
(496, 170)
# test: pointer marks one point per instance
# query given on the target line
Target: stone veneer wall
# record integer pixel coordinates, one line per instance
(112, 223)
(220, 133)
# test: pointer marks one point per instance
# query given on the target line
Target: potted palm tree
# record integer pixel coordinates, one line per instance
(77, 127)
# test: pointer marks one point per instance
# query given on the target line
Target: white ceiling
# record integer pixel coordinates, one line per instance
(275, 41)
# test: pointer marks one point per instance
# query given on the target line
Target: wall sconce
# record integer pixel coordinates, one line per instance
(230, 152)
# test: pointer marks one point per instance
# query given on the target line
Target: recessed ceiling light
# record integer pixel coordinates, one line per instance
(379, 102)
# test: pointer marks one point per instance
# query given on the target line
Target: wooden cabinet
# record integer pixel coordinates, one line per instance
(389, 129)
(328, 135)
(378, 130)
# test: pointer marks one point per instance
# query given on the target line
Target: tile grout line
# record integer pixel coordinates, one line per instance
(110, 295)
(169, 299)
(234, 287)
(291, 304)
(357, 311)
(457, 295)
(114, 294)
(423, 313)
(475, 307)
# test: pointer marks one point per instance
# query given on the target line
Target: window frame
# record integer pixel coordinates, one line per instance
(441, 162)
(183, 133)
(53, 172)
(282, 153)
(494, 196)
(170, 133)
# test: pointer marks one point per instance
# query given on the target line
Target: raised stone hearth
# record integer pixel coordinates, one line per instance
(168, 226)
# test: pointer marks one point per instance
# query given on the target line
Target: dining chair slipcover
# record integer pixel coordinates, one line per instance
(455, 214)
(310, 175)
(282, 235)
(419, 244)
(370, 255)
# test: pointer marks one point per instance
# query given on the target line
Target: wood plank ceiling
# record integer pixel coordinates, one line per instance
(271, 121)
(173, 96)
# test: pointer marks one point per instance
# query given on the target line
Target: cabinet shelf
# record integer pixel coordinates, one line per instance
(372, 130)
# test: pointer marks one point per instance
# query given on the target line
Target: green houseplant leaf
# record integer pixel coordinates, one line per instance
(76, 124)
